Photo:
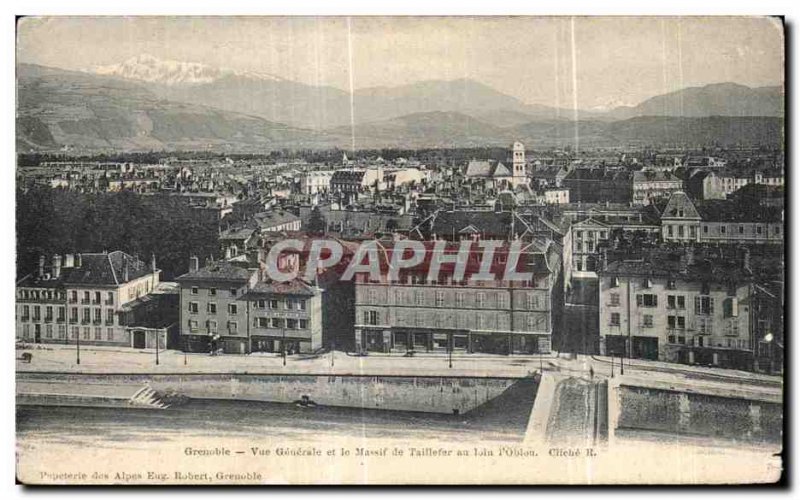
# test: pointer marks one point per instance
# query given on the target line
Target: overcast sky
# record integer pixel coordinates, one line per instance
(556, 61)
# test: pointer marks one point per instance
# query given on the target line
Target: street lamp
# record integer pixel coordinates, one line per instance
(78, 343)
(450, 351)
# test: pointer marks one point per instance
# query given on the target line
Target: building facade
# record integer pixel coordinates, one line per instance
(678, 307)
(411, 313)
(83, 298)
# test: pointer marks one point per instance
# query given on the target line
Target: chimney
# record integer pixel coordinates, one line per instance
(228, 253)
(78, 260)
(56, 266)
(153, 267)
(125, 275)
(41, 266)
(69, 260)
(194, 263)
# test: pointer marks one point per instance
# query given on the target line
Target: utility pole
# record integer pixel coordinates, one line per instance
(157, 342)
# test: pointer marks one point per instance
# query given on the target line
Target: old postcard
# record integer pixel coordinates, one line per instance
(399, 250)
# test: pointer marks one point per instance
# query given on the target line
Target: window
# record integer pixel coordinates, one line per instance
(212, 291)
(671, 302)
(96, 297)
(48, 331)
(439, 299)
(481, 298)
(302, 304)
(705, 229)
(62, 331)
(291, 324)
(233, 309)
(741, 229)
(262, 322)
(373, 317)
(671, 339)
(704, 305)
(109, 298)
(614, 297)
(730, 307)
(98, 333)
(647, 300)
(705, 326)
(459, 299)
(276, 322)
(681, 302)
(680, 231)
(195, 290)
(669, 231)
(758, 229)
(193, 325)
(212, 308)
(109, 334)
(234, 291)
(681, 323)
(502, 301)
(109, 316)
(75, 331)
(273, 304)
(721, 229)
(613, 282)
(303, 324)
(233, 326)
(614, 319)
(671, 284)
(647, 320)
(193, 307)
(87, 315)
(87, 332)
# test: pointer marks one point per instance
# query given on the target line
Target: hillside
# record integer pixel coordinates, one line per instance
(722, 99)
(59, 108)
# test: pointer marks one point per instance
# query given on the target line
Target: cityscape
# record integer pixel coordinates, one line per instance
(202, 251)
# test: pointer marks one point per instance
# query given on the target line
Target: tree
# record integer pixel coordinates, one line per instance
(316, 222)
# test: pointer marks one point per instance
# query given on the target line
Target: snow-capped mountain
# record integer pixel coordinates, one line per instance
(147, 68)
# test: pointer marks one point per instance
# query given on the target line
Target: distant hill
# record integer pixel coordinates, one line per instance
(438, 129)
(721, 99)
(59, 108)
(91, 112)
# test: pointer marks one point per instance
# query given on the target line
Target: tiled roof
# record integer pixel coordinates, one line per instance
(680, 202)
(105, 269)
(730, 211)
(218, 271)
(293, 287)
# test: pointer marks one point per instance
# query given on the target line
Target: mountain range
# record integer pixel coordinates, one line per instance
(146, 103)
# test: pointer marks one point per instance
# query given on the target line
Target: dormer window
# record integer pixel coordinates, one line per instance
(671, 284)
(614, 282)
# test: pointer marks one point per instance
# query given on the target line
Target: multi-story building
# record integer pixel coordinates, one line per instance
(83, 298)
(226, 305)
(317, 181)
(649, 185)
(680, 220)
(213, 312)
(685, 305)
(719, 221)
(409, 312)
(285, 316)
(729, 222)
